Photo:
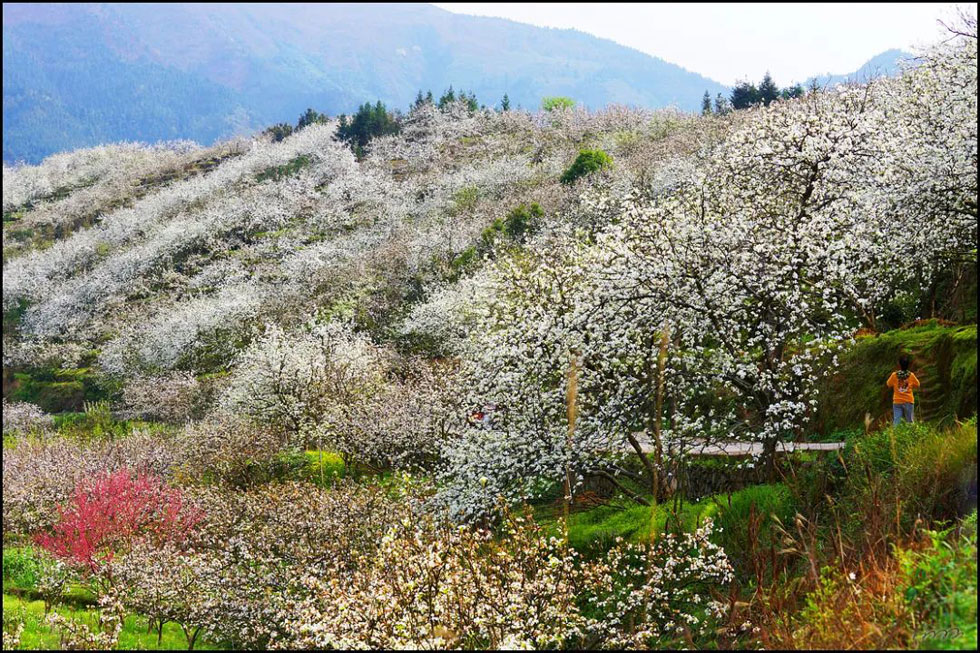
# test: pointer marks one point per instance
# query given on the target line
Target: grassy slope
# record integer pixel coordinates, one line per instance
(943, 358)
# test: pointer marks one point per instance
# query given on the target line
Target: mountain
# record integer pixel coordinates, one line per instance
(76, 75)
(886, 64)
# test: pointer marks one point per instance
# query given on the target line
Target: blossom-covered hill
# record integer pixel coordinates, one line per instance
(271, 393)
(466, 260)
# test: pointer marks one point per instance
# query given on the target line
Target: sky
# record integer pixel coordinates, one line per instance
(729, 42)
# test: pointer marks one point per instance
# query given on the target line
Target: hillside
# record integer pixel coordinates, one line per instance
(90, 74)
(302, 389)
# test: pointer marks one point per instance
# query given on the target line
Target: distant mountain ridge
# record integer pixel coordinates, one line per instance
(886, 64)
(76, 75)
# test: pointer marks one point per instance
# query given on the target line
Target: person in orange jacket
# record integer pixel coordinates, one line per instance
(902, 383)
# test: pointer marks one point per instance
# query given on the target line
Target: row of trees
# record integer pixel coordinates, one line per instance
(281, 130)
(746, 95)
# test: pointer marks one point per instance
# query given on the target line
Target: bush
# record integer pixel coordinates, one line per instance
(21, 568)
(557, 102)
(940, 586)
(587, 162)
(108, 513)
(519, 223)
(22, 417)
(747, 523)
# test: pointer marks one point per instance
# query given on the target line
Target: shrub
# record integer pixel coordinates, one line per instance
(587, 162)
(746, 524)
(22, 417)
(109, 512)
(559, 102)
(175, 397)
(939, 583)
(519, 223)
(21, 568)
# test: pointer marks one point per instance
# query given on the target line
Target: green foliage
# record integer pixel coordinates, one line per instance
(519, 223)
(745, 95)
(310, 117)
(279, 131)
(940, 586)
(587, 162)
(58, 390)
(747, 521)
(277, 173)
(465, 199)
(552, 103)
(450, 96)
(21, 568)
(324, 467)
(505, 103)
(792, 92)
(768, 91)
(513, 229)
(369, 122)
(706, 104)
(593, 531)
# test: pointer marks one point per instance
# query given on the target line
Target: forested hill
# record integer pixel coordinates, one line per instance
(80, 75)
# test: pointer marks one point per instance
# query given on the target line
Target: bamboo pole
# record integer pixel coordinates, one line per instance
(658, 450)
(571, 400)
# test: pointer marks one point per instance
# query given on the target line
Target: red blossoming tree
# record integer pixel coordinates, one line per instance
(108, 513)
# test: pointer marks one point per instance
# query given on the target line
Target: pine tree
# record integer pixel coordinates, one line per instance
(706, 104)
(721, 105)
(792, 92)
(447, 98)
(768, 91)
(505, 103)
(310, 117)
(744, 95)
(419, 100)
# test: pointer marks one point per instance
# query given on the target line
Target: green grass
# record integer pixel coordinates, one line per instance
(332, 467)
(593, 531)
(930, 469)
(289, 169)
(39, 635)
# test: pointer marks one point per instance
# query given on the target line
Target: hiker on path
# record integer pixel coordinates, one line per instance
(902, 383)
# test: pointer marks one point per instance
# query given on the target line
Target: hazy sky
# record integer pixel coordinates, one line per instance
(733, 42)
